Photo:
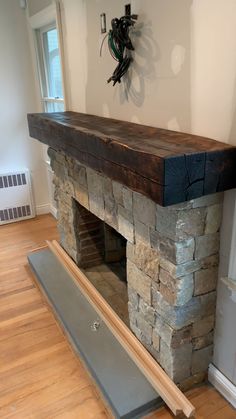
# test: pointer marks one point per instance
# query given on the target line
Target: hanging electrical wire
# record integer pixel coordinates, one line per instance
(120, 45)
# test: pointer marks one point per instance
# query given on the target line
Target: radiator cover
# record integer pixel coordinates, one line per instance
(16, 200)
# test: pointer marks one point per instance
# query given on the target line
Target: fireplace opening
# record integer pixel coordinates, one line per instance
(102, 256)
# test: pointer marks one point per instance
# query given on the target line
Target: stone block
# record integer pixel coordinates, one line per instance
(180, 225)
(145, 258)
(172, 338)
(190, 223)
(139, 281)
(181, 206)
(209, 261)
(110, 216)
(140, 327)
(81, 195)
(132, 320)
(184, 251)
(56, 181)
(111, 209)
(176, 252)
(145, 329)
(176, 291)
(207, 245)
(203, 341)
(213, 219)
(118, 192)
(181, 316)
(52, 154)
(205, 281)
(156, 340)
(125, 224)
(96, 205)
(177, 317)
(79, 174)
(61, 158)
(123, 212)
(95, 182)
(166, 222)
(68, 187)
(141, 232)
(147, 312)
(180, 270)
(203, 326)
(107, 187)
(176, 362)
(127, 198)
(201, 359)
(65, 215)
(59, 170)
(144, 209)
(192, 381)
(208, 303)
(155, 288)
(154, 352)
(133, 297)
(57, 156)
(207, 200)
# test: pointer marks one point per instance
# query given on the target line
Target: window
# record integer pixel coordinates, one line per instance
(50, 69)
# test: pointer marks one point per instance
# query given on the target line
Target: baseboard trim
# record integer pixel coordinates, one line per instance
(222, 384)
(43, 209)
(53, 211)
(46, 209)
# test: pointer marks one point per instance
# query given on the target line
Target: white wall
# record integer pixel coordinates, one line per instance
(73, 14)
(213, 63)
(35, 6)
(17, 87)
(183, 78)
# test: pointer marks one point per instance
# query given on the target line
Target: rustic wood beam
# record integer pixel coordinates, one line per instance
(167, 166)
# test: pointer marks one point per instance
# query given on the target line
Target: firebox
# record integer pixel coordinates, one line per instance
(103, 258)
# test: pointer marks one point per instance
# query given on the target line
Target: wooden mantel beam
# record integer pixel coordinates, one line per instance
(167, 166)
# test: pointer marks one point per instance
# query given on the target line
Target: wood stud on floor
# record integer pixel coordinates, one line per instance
(164, 386)
(39, 375)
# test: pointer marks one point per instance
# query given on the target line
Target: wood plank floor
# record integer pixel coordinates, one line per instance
(40, 377)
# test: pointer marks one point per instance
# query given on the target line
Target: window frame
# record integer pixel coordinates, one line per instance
(43, 65)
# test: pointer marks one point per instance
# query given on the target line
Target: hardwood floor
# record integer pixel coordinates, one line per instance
(40, 377)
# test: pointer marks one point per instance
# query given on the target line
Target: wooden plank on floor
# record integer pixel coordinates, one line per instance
(164, 386)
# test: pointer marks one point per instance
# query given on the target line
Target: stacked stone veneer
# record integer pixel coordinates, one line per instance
(172, 262)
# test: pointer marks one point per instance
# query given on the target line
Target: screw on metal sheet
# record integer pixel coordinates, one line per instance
(95, 326)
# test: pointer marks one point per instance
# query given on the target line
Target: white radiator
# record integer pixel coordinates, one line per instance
(16, 201)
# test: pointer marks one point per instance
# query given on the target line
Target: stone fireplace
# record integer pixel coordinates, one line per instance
(172, 260)
(149, 201)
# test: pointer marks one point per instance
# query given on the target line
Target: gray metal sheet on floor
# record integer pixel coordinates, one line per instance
(124, 386)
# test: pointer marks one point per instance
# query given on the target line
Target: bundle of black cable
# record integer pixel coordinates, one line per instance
(120, 45)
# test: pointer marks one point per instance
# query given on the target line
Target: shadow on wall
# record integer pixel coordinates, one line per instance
(145, 57)
(157, 89)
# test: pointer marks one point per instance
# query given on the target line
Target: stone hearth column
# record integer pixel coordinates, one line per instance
(174, 317)
(172, 262)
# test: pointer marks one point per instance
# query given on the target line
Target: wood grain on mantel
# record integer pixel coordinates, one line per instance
(167, 166)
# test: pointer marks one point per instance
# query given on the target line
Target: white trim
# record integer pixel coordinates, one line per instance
(61, 53)
(43, 209)
(222, 384)
(53, 211)
(44, 17)
(46, 209)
